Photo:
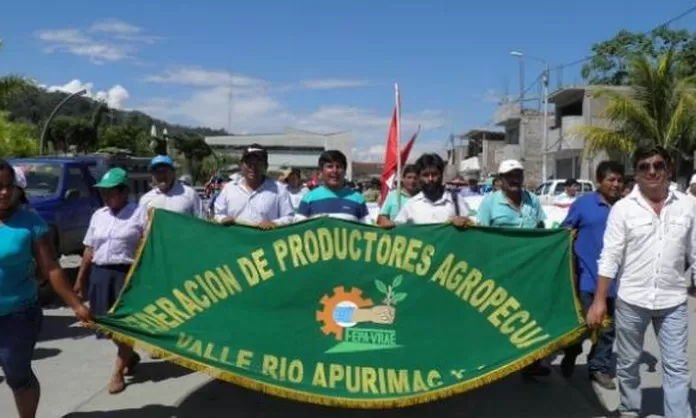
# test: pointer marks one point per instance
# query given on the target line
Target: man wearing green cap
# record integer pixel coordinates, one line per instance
(111, 243)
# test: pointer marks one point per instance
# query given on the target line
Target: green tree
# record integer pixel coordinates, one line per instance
(66, 132)
(610, 60)
(659, 109)
(132, 137)
(16, 139)
(194, 150)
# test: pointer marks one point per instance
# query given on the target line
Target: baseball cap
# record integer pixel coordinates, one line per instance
(257, 151)
(509, 165)
(693, 180)
(112, 178)
(161, 160)
(20, 178)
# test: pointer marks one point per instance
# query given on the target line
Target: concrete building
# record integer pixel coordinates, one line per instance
(575, 107)
(292, 148)
(523, 138)
(475, 153)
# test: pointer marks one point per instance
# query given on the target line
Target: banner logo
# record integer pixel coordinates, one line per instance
(344, 311)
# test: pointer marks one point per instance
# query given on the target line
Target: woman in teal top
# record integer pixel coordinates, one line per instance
(393, 203)
(23, 238)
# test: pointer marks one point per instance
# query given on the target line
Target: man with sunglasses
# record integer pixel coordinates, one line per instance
(648, 236)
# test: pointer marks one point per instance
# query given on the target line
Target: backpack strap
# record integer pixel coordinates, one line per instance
(455, 200)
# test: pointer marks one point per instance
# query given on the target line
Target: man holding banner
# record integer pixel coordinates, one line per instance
(514, 207)
(433, 204)
(588, 217)
(649, 235)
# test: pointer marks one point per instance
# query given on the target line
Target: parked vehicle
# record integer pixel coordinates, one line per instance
(549, 190)
(61, 191)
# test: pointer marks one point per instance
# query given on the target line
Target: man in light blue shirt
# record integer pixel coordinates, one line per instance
(514, 207)
(511, 206)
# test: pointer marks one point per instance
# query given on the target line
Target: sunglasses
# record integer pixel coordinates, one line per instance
(658, 166)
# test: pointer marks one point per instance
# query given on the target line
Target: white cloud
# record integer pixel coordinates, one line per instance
(109, 41)
(196, 76)
(115, 26)
(115, 97)
(257, 107)
(334, 83)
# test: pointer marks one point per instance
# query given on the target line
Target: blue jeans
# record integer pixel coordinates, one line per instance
(671, 328)
(19, 332)
(600, 357)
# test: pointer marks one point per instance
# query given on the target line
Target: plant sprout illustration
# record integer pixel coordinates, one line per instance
(391, 298)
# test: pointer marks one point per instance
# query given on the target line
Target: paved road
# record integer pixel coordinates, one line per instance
(74, 367)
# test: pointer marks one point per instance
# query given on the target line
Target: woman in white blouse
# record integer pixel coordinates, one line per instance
(111, 243)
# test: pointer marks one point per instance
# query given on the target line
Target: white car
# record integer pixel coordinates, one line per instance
(549, 190)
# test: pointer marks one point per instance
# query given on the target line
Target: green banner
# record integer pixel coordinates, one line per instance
(337, 313)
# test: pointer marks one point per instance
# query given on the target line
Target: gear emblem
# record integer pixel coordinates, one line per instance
(340, 297)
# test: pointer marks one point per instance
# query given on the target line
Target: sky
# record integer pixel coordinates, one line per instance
(322, 66)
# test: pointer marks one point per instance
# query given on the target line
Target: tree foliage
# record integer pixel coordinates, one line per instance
(659, 109)
(610, 60)
(195, 150)
(16, 139)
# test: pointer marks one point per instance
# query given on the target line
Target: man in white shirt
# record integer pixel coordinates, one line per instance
(255, 199)
(649, 235)
(434, 204)
(569, 194)
(168, 193)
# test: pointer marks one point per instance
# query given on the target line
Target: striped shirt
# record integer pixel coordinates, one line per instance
(269, 202)
(342, 204)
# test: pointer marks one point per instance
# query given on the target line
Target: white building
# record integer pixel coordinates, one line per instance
(292, 148)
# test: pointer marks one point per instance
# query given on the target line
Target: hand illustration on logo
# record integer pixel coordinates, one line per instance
(377, 314)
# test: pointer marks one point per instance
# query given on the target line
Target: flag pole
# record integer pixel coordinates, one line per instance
(397, 175)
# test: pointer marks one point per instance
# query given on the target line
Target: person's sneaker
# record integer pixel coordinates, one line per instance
(568, 365)
(536, 369)
(603, 380)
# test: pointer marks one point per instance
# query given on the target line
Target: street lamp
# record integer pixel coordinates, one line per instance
(545, 84)
(44, 131)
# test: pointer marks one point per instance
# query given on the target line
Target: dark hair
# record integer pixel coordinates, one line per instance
(570, 182)
(333, 156)
(430, 160)
(496, 178)
(6, 166)
(606, 167)
(629, 183)
(646, 152)
(410, 168)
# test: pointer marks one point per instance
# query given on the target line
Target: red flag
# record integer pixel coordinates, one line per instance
(390, 155)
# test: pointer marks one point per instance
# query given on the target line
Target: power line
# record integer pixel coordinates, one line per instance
(664, 24)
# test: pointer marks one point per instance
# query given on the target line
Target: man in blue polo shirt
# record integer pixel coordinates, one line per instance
(588, 216)
(514, 207)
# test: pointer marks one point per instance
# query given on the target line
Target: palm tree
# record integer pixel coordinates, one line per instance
(10, 85)
(659, 109)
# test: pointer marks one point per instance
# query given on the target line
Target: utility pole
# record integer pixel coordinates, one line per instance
(545, 134)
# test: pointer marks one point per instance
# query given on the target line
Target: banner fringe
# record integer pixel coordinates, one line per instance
(333, 401)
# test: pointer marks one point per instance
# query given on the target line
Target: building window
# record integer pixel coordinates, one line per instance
(512, 136)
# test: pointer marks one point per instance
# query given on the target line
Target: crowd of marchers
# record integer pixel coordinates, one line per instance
(632, 250)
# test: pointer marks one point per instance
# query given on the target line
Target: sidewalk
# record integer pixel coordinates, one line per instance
(74, 368)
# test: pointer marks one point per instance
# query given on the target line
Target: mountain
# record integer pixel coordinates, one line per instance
(34, 105)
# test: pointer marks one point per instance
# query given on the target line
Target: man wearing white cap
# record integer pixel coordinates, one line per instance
(514, 207)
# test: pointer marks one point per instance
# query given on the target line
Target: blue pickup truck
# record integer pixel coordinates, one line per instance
(61, 191)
